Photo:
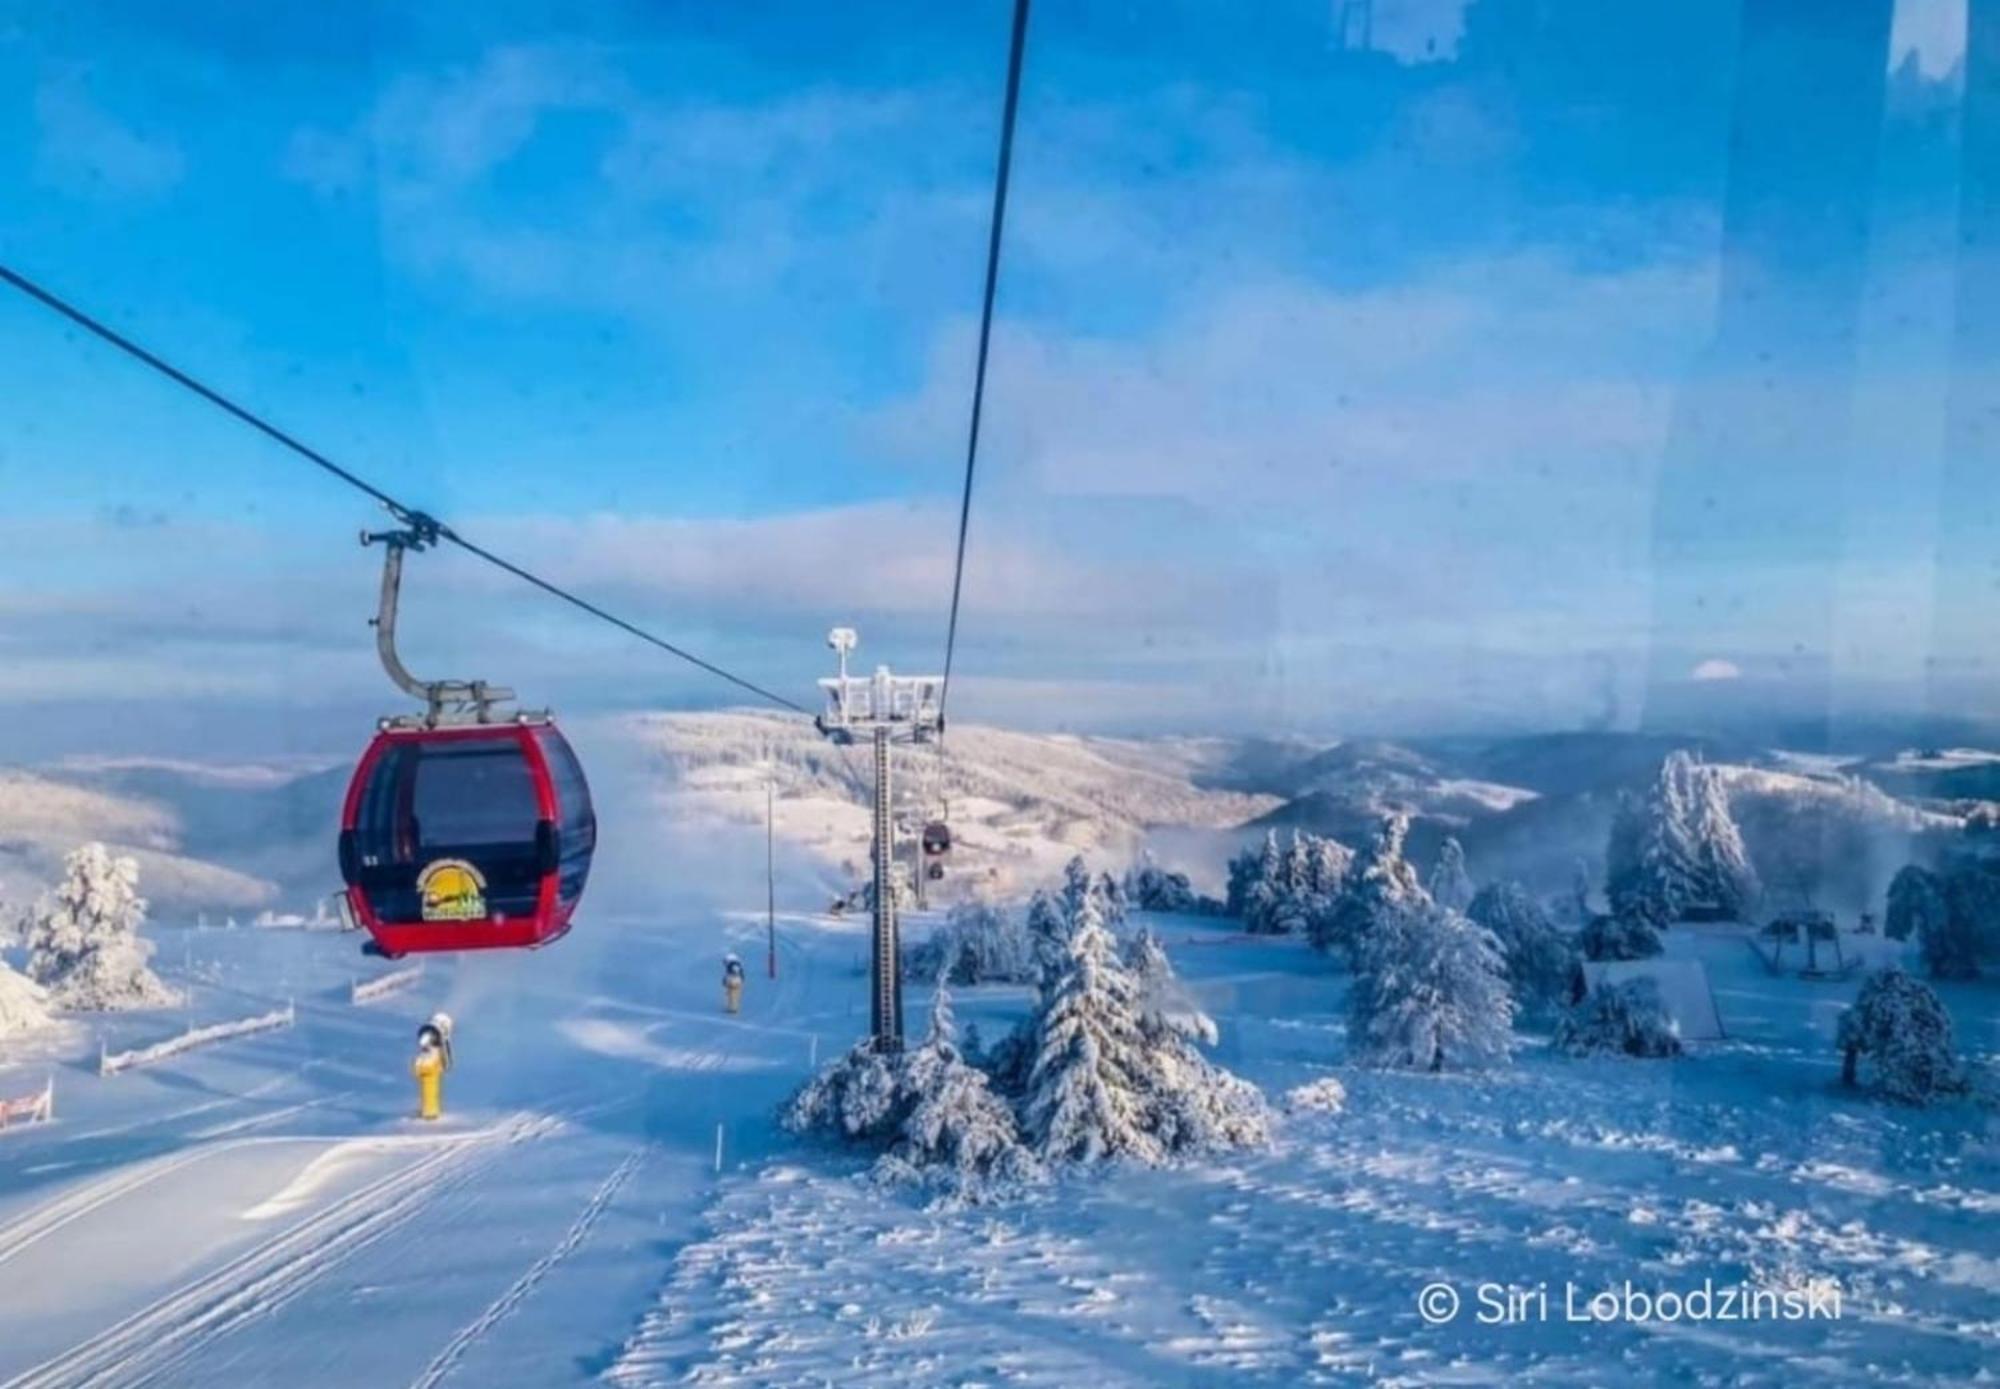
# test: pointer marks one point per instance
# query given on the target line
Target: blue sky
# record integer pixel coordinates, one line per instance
(1332, 388)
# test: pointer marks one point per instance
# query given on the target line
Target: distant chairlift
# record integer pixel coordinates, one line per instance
(1808, 931)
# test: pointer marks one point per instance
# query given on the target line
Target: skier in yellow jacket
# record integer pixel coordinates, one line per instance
(433, 1060)
(428, 1068)
(732, 983)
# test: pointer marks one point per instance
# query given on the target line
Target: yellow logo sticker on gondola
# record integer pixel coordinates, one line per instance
(452, 890)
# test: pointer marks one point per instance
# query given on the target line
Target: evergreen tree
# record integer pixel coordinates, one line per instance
(1450, 885)
(1916, 904)
(1628, 1019)
(1164, 1006)
(1086, 1094)
(956, 1134)
(1726, 878)
(1048, 938)
(1152, 888)
(1242, 875)
(1332, 861)
(24, 1004)
(977, 944)
(1897, 1040)
(1111, 898)
(1264, 899)
(1970, 932)
(1631, 934)
(1430, 990)
(1678, 847)
(1540, 963)
(83, 937)
(1380, 885)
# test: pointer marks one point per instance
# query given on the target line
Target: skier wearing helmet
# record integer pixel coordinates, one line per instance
(732, 983)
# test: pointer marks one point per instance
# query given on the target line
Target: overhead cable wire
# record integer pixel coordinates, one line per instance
(106, 333)
(1015, 54)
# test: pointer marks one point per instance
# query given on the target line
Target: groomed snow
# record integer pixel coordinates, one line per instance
(265, 1211)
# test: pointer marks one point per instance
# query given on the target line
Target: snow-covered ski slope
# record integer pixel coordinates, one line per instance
(266, 1213)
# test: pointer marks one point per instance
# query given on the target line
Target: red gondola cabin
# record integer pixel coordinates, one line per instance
(474, 837)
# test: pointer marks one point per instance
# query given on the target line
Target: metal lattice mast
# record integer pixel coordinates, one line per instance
(889, 709)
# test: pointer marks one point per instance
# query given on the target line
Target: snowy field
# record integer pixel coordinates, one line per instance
(264, 1210)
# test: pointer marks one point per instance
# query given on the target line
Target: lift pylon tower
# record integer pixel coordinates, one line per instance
(884, 709)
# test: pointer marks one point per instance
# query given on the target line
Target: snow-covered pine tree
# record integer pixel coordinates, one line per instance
(1897, 1040)
(1970, 932)
(1242, 875)
(1111, 898)
(1332, 861)
(1678, 847)
(1916, 904)
(1048, 937)
(1194, 1105)
(1152, 888)
(1628, 1019)
(83, 937)
(1450, 885)
(1630, 934)
(24, 1004)
(1380, 885)
(1087, 1096)
(1264, 898)
(956, 1135)
(1430, 990)
(1540, 963)
(978, 943)
(1164, 1006)
(1077, 887)
(1726, 879)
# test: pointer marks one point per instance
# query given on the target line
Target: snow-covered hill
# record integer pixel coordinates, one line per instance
(1018, 803)
(43, 817)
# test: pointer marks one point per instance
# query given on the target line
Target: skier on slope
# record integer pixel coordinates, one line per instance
(732, 983)
(428, 1068)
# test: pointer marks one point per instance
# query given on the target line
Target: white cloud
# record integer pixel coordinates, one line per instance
(1715, 668)
(1933, 31)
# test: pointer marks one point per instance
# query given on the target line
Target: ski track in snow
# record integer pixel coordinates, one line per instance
(157, 1340)
(579, 1230)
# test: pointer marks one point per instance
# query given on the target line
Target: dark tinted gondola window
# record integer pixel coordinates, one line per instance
(473, 793)
(579, 819)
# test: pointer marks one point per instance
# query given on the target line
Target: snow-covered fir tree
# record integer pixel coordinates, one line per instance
(1087, 1086)
(1164, 1006)
(1430, 991)
(1896, 1040)
(1264, 897)
(24, 1004)
(956, 1135)
(1151, 888)
(1450, 885)
(1678, 847)
(1381, 886)
(1243, 874)
(1916, 904)
(929, 1113)
(83, 937)
(1970, 931)
(1048, 937)
(1540, 962)
(1112, 902)
(978, 943)
(1628, 934)
(1626, 1019)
